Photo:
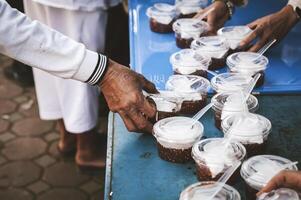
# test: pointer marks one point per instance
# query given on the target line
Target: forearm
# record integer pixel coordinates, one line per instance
(39, 46)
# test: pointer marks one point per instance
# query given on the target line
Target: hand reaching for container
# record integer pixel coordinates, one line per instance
(217, 17)
(274, 26)
(122, 89)
(285, 179)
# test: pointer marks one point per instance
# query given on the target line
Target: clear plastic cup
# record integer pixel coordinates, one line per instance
(258, 170)
(204, 190)
(248, 64)
(161, 17)
(176, 136)
(187, 30)
(187, 62)
(230, 82)
(189, 8)
(219, 101)
(280, 194)
(214, 47)
(214, 156)
(251, 130)
(194, 88)
(234, 35)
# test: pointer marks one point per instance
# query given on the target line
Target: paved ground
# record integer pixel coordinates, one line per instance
(30, 166)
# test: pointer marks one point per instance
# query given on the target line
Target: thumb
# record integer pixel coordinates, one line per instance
(147, 85)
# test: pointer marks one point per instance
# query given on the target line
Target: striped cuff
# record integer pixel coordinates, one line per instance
(99, 70)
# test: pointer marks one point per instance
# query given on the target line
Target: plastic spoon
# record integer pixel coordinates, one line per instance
(224, 178)
(265, 47)
(199, 115)
(251, 86)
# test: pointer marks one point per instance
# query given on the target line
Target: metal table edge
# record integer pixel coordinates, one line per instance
(109, 160)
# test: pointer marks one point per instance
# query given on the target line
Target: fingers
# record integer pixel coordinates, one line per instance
(200, 13)
(147, 85)
(252, 36)
(127, 121)
(139, 120)
(147, 108)
(259, 45)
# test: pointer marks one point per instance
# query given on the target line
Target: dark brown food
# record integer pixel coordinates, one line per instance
(256, 149)
(191, 15)
(201, 73)
(160, 28)
(217, 63)
(184, 43)
(218, 120)
(250, 192)
(204, 174)
(192, 107)
(174, 155)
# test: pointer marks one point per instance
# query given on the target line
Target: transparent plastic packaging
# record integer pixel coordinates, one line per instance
(189, 8)
(280, 194)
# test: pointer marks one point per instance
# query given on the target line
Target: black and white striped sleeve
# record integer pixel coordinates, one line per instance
(99, 70)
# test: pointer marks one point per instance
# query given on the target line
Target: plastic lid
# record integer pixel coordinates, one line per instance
(204, 190)
(230, 82)
(162, 12)
(189, 60)
(178, 130)
(211, 46)
(218, 154)
(187, 84)
(190, 26)
(280, 194)
(246, 62)
(219, 100)
(247, 127)
(234, 32)
(258, 170)
(190, 6)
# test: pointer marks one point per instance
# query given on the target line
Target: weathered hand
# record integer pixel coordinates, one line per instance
(274, 26)
(217, 18)
(287, 179)
(122, 89)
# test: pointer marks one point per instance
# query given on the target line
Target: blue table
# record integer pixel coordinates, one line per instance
(150, 51)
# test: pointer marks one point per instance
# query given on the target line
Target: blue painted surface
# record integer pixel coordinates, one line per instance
(150, 51)
(135, 172)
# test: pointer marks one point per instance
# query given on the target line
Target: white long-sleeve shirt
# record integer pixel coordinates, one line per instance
(38, 46)
(87, 5)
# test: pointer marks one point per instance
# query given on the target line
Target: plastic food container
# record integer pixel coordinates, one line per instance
(187, 30)
(189, 8)
(161, 17)
(230, 82)
(214, 156)
(187, 62)
(214, 47)
(204, 190)
(248, 64)
(232, 106)
(250, 129)
(194, 88)
(234, 35)
(258, 170)
(176, 136)
(280, 194)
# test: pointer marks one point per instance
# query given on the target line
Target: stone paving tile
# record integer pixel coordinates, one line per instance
(53, 149)
(90, 187)
(21, 99)
(15, 194)
(45, 161)
(38, 187)
(51, 136)
(2, 160)
(70, 176)
(15, 117)
(4, 137)
(18, 174)
(99, 195)
(32, 127)
(9, 89)
(24, 148)
(4, 124)
(7, 106)
(63, 194)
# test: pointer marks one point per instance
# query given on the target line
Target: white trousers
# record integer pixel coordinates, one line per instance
(73, 101)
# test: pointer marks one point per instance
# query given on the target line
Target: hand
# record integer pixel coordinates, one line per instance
(217, 18)
(274, 26)
(122, 89)
(287, 179)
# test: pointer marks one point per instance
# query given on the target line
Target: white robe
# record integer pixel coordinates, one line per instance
(73, 101)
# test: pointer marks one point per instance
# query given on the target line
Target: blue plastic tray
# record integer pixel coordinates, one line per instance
(150, 51)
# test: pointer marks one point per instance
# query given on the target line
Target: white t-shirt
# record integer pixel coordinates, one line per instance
(86, 5)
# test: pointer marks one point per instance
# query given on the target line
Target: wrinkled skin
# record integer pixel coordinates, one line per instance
(217, 18)
(122, 89)
(284, 179)
(274, 26)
